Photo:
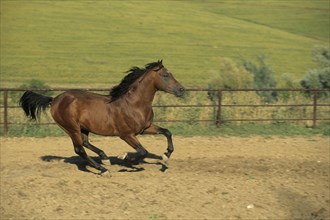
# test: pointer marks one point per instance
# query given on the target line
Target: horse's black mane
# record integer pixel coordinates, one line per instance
(133, 74)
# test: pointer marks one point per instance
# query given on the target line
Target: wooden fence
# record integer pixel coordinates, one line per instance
(216, 104)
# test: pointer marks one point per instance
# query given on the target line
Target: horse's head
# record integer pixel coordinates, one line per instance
(165, 81)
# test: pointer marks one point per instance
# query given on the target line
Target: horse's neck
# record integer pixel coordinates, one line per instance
(143, 93)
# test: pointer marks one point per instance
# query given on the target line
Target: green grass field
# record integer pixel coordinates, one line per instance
(91, 43)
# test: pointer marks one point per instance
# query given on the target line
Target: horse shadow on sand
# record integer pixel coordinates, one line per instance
(127, 166)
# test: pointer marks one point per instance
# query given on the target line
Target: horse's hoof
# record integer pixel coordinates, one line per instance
(105, 173)
(104, 157)
(122, 157)
(165, 158)
(164, 168)
(164, 162)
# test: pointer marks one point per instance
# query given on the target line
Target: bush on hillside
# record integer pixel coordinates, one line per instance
(230, 76)
(319, 78)
(32, 84)
(263, 78)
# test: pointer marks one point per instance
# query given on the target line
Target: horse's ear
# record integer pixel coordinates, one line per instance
(160, 62)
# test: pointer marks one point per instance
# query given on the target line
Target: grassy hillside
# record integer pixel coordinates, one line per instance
(301, 17)
(91, 43)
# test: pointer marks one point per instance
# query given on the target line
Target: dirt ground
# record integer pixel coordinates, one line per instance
(208, 178)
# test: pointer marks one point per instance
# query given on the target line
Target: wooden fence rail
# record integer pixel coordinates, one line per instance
(219, 105)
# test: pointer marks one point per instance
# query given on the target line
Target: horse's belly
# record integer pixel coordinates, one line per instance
(116, 124)
(99, 124)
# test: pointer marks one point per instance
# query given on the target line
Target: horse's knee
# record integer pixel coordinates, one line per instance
(166, 132)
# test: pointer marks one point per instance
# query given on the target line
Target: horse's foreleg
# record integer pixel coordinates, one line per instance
(154, 129)
(140, 153)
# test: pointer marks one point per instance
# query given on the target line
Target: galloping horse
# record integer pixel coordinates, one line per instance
(125, 112)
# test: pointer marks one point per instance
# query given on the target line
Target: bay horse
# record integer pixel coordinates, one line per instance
(126, 112)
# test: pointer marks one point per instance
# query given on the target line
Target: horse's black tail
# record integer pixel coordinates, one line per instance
(32, 104)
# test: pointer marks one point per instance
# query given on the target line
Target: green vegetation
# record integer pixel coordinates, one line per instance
(263, 78)
(32, 84)
(231, 76)
(32, 129)
(303, 17)
(248, 129)
(184, 129)
(319, 77)
(91, 43)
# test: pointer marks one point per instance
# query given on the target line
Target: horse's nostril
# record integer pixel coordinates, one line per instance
(180, 91)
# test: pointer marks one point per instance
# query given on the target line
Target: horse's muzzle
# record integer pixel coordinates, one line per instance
(179, 91)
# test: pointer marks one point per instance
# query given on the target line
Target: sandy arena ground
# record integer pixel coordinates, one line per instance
(208, 178)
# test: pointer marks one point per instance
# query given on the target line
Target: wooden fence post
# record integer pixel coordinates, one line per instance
(314, 108)
(218, 119)
(5, 112)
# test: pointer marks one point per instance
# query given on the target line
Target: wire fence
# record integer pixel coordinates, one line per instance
(313, 107)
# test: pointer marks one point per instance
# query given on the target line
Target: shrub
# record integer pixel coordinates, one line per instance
(230, 76)
(319, 78)
(263, 78)
(37, 84)
(32, 84)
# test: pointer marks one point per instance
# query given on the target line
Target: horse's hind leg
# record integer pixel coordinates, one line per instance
(84, 135)
(79, 149)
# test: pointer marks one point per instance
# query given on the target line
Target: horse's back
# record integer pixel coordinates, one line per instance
(78, 96)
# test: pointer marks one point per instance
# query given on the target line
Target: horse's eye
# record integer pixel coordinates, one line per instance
(166, 75)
